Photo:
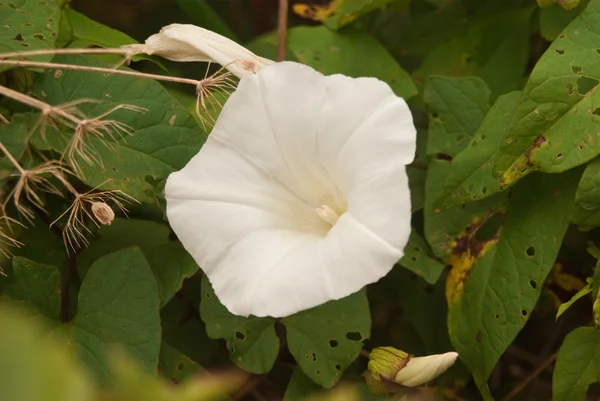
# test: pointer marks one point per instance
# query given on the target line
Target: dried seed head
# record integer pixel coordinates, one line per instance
(103, 213)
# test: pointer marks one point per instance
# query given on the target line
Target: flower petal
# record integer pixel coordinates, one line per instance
(423, 369)
(288, 141)
(184, 42)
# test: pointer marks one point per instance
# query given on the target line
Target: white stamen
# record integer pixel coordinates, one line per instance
(327, 214)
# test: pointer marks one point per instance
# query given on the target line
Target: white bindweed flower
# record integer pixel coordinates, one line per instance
(300, 194)
(390, 370)
(183, 42)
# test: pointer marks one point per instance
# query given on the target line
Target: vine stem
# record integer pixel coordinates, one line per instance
(12, 159)
(282, 22)
(57, 66)
(46, 52)
(536, 372)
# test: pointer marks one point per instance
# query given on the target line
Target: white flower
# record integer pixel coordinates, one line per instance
(300, 194)
(183, 42)
(423, 369)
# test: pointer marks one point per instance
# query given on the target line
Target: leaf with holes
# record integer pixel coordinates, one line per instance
(577, 365)
(325, 340)
(493, 291)
(29, 25)
(417, 259)
(175, 366)
(164, 137)
(458, 107)
(470, 176)
(118, 306)
(170, 262)
(252, 342)
(561, 94)
(338, 12)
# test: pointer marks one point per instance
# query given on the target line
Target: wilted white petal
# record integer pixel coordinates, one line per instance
(300, 194)
(422, 369)
(184, 42)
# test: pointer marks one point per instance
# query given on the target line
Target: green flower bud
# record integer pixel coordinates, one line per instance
(391, 371)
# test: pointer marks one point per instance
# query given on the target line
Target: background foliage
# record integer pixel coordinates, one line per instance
(500, 266)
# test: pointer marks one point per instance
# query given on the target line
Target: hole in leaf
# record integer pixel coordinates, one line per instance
(576, 69)
(443, 156)
(586, 84)
(19, 37)
(559, 51)
(11, 5)
(338, 367)
(570, 89)
(38, 36)
(413, 259)
(24, 44)
(524, 312)
(483, 137)
(598, 51)
(562, 36)
(314, 357)
(530, 251)
(27, 24)
(483, 190)
(533, 284)
(559, 156)
(596, 111)
(180, 366)
(497, 316)
(580, 146)
(318, 372)
(239, 335)
(354, 336)
(333, 343)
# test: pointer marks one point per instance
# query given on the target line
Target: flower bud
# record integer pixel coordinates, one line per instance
(391, 370)
(184, 42)
(103, 213)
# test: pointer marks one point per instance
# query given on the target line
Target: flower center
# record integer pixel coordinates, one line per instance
(327, 214)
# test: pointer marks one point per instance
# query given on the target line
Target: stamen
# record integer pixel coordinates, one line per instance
(327, 214)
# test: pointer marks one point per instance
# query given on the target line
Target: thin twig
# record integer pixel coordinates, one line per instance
(45, 52)
(535, 373)
(282, 22)
(57, 66)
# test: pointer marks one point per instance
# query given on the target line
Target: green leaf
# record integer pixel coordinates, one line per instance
(118, 306)
(42, 245)
(252, 342)
(35, 370)
(417, 259)
(470, 176)
(90, 32)
(554, 18)
(338, 12)
(165, 136)
(458, 107)
(342, 52)
(29, 25)
(587, 199)
(495, 290)
(494, 48)
(577, 365)
(35, 286)
(175, 366)
(170, 262)
(300, 387)
(15, 137)
(580, 294)
(560, 94)
(325, 340)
